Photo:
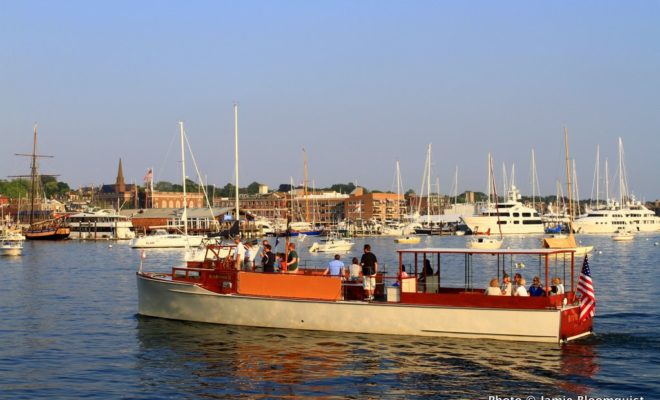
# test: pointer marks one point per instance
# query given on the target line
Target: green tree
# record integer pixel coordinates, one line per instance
(253, 188)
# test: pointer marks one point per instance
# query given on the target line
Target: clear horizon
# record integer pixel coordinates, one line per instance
(357, 85)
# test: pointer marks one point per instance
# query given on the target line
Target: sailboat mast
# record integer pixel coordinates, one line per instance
(456, 186)
(184, 215)
(236, 159)
(34, 174)
(398, 189)
(568, 185)
(428, 188)
(597, 173)
(305, 182)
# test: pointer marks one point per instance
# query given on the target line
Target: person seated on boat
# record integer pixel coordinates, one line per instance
(404, 274)
(239, 253)
(493, 288)
(280, 263)
(335, 267)
(354, 270)
(516, 282)
(536, 289)
(506, 285)
(292, 260)
(557, 287)
(268, 259)
(520, 290)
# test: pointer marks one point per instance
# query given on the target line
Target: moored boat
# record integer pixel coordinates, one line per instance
(408, 240)
(623, 235)
(11, 247)
(213, 291)
(332, 244)
(160, 238)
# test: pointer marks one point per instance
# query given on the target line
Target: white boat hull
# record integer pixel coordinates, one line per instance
(483, 224)
(11, 249)
(146, 242)
(484, 243)
(160, 297)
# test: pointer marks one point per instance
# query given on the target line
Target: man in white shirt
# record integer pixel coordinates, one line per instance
(239, 253)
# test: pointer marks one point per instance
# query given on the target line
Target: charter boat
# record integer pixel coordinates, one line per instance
(213, 291)
(100, 224)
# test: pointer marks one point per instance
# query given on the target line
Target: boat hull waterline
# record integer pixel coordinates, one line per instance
(159, 296)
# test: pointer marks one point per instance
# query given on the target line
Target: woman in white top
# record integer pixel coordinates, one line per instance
(354, 270)
(520, 290)
(557, 287)
(494, 288)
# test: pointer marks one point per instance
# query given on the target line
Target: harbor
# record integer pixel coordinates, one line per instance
(93, 334)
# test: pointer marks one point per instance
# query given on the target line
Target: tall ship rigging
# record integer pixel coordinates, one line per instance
(49, 229)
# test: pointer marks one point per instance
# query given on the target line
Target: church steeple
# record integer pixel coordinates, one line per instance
(120, 186)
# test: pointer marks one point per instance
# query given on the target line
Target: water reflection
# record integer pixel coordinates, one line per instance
(237, 360)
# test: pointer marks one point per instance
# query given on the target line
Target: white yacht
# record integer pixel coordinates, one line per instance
(514, 217)
(100, 224)
(631, 217)
(160, 238)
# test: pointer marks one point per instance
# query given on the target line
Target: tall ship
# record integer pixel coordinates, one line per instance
(511, 216)
(99, 225)
(50, 229)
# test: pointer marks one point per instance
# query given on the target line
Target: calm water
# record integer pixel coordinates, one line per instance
(69, 329)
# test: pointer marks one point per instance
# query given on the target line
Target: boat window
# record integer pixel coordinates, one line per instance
(532, 222)
(516, 214)
(526, 214)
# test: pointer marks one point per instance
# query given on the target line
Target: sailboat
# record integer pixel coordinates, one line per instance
(567, 241)
(480, 241)
(161, 238)
(51, 229)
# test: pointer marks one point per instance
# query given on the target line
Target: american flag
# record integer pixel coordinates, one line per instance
(586, 289)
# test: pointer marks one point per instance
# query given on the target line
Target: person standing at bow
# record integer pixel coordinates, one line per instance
(369, 264)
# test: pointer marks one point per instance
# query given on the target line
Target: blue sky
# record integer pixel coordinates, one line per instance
(357, 84)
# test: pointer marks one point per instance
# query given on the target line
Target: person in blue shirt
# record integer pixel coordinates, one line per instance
(335, 267)
(536, 289)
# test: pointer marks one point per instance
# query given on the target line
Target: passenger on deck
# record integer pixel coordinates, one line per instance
(536, 289)
(506, 285)
(335, 267)
(292, 260)
(268, 259)
(280, 264)
(520, 290)
(494, 288)
(516, 282)
(354, 270)
(369, 270)
(404, 274)
(239, 253)
(557, 287)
